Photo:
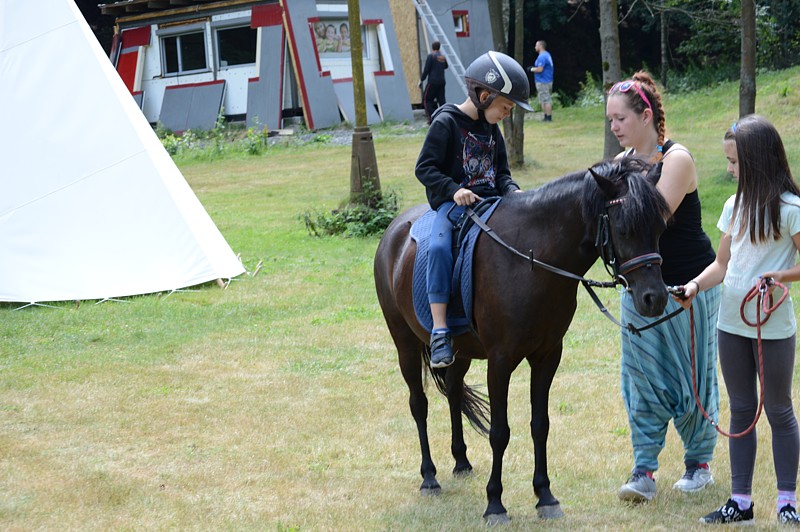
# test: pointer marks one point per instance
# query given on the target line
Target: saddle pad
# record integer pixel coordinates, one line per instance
(459, 317)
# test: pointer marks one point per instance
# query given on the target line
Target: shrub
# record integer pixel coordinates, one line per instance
(591, 92)
(370, 217)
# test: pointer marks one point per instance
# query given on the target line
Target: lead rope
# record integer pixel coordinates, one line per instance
(758, 291)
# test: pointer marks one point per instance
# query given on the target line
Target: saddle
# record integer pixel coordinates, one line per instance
(465, 235)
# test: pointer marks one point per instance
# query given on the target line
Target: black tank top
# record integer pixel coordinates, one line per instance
(684, 246)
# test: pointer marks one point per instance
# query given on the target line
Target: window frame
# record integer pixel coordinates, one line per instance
(176, 32)
(218, 48)
(461, 22)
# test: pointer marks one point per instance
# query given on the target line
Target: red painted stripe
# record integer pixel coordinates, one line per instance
(372, 21)
(136, 37)
(268, 15)
(343, 80)
(126, 67)
(314, 43)
(188, 85)
(383, 73)
(283, 67)
(287, 23)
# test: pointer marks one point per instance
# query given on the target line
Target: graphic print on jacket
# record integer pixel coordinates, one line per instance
(478, 158)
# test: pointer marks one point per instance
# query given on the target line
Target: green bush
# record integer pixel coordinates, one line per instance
(591, 93)
(364, 218)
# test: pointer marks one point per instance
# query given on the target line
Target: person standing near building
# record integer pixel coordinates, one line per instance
(543, 76)
(435, 65)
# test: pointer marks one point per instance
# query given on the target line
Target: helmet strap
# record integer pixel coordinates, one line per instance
(482, 106)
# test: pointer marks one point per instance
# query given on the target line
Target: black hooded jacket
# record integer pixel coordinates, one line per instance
(460, 152)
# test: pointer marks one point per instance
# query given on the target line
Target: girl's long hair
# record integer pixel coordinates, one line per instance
(764, 174)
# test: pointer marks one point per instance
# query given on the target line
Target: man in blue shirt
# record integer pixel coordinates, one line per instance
(543, 76)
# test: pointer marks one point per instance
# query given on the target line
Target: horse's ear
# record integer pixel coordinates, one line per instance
(608, 187)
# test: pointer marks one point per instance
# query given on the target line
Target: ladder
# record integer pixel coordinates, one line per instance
(435, 29)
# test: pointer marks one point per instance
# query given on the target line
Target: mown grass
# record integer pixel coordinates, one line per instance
(277, 404)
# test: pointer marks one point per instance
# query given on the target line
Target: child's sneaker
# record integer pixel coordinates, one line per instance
(788, 516)
(441, 350)
(694, 479)
(730, 513)
(639, 488)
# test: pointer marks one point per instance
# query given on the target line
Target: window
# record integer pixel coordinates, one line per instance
(237, 46)
(184, 53)
(461, 23)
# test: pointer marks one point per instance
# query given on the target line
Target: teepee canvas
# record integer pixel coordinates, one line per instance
(92, 206)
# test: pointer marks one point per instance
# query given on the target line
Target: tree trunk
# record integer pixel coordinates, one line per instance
(612, 70)
(664, 44)
(516, 154)
(747, 76)
(498, 24)
(365, 183)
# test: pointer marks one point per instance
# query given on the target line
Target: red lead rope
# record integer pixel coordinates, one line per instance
(758, 291)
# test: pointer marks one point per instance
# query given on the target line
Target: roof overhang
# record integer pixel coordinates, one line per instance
(143, 9)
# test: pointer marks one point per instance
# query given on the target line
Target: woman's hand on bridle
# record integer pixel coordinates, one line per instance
(684, 295)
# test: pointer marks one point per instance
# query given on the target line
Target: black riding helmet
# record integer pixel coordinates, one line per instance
(499, 74)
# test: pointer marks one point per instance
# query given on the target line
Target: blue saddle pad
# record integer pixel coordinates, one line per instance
(459, 317)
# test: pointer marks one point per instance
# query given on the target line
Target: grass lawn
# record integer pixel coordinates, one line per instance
(277, 404)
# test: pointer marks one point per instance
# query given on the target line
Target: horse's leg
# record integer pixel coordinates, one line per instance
(454, 380)
(542, 374)
(409, 349)
(499, 375)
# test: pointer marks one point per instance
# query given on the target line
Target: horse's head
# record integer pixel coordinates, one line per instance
(630, 216)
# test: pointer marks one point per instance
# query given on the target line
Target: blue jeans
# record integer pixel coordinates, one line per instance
(440, 253)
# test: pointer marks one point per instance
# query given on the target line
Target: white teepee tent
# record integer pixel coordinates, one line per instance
(92, 206)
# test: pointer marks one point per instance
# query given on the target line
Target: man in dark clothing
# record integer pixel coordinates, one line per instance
(435, 65)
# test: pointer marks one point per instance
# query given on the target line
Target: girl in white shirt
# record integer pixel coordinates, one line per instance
(761, 239)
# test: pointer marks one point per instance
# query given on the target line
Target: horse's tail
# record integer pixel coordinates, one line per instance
(474, 404)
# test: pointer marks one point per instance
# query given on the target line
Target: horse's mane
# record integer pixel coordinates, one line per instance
(636, 181)
(557, 189)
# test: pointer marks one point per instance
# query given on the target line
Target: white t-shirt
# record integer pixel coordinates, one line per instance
(747, 262)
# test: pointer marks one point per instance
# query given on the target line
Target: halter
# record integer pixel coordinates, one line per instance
(605, 248)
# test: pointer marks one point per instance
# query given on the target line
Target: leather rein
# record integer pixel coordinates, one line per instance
(605, 248)
(764, 303)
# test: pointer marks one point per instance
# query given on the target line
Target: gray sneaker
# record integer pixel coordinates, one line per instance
(441, 350)
(694, 479)
(639, 488)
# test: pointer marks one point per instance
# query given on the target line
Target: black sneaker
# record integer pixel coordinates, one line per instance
(730, 513)
(441, 350)
(788, 516)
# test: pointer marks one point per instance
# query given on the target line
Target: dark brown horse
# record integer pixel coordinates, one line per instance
(522, 312)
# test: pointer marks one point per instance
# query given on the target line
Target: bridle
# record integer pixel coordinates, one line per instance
(605, 247)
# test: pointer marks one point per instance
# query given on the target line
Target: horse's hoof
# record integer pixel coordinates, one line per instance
(550, 512)
(462, 472)
(430, 489)
(497, 519)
